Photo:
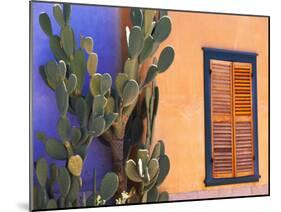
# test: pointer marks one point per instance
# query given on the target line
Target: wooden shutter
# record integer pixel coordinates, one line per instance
(221, 118)
(243, 119)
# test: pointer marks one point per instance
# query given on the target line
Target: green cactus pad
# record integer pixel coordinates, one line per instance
(136, 42)
(147, 49)
(88, 44)
(156, 151)
(71, 84)
(99, 105)
(130, 92)
(164, 164)
(131, 68)
(95, 82)
(53, 172)
(137, 17)
(81, 150)
(131, 171)
(162, 29)
(62, 98)
(44, 78)
(97, 126)
(162, 149)
(42, 172)
(67, 40)
(153, 194)
(84, 135)
(78, 67)
(151, 74)
(105, 83)
(153, 167)
(45, 24)
(149, 185)
(163, 197)
(56, 48)
(110, 105)
(61, 69)
(64, 181)
(92, 63)
(52, 73)
(56, 149)
(52, 204)
(120, 81)
(109, 185)
(58, 14)
(64, 128)
(74, 189)
(66, 12)
(166, 58)
(148, 19)
(75, 136)
(81, 111)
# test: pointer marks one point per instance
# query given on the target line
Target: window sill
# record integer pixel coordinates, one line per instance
(226, 181)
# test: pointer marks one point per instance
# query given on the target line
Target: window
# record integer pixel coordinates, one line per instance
(231, 142)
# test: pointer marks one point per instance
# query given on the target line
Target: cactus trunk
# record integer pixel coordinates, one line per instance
(118, 163)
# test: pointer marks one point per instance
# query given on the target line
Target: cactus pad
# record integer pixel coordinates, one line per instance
(166, 59)
(42, 171)
(75, 164)
(45, 24)
(56, 149)
(136, 42)
(130, 92)
(109, 185)
(64, 181)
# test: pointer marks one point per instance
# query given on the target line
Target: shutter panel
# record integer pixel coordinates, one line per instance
(243, 119)
(221, 115)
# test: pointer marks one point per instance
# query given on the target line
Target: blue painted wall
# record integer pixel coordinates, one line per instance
(101, 23)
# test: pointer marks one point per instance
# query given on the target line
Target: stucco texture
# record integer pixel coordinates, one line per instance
(180, 119)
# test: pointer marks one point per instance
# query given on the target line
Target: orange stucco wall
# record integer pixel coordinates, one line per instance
(180, 119)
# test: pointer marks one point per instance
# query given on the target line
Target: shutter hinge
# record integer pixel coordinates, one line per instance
(210, 71)
(212, 160)
(254, 158)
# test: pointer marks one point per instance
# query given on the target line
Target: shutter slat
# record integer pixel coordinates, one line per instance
(243, 125)
(221, 106)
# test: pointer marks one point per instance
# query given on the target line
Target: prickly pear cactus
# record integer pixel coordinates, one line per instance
(115, 113)
(108, 189)
(149, 29)
(65, 76)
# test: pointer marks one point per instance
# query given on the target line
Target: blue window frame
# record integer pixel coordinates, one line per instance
(233, 56)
